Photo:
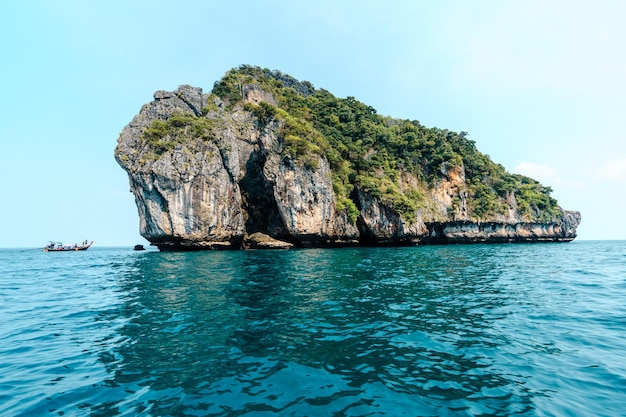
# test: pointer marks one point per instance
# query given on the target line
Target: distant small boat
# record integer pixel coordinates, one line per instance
(60, 247)
(139, 247)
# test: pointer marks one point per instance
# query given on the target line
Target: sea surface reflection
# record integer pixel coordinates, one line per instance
(344, 330)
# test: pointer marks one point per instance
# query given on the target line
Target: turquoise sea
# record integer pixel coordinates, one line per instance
(465, 330)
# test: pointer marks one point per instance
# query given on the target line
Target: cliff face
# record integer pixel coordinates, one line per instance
(207, 173)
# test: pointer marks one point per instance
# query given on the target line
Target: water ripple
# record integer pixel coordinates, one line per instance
(524, 330)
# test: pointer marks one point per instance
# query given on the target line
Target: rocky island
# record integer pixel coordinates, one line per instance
(267, 161)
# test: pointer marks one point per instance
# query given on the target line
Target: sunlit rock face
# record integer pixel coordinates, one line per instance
(216, 175)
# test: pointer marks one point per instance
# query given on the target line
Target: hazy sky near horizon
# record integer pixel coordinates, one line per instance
(539, 85)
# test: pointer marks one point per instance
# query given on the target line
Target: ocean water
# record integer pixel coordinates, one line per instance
(465, 330)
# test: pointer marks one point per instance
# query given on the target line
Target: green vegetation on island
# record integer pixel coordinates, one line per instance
(163, 135)
(365, 149)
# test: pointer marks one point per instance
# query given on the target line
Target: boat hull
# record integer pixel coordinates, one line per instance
(66, 248)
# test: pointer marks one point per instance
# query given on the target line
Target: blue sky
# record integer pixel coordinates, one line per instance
(539, 85)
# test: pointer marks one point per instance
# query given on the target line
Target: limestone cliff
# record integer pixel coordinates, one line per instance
(259, 163)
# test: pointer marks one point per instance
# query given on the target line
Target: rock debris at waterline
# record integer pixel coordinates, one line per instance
(246, 168)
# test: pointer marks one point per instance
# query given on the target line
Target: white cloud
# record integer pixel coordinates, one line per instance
(614, 170)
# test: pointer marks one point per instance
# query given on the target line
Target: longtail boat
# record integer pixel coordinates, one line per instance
(60, 247)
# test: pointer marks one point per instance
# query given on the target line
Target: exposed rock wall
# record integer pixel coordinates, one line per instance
(217, 191)
(500, 232)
